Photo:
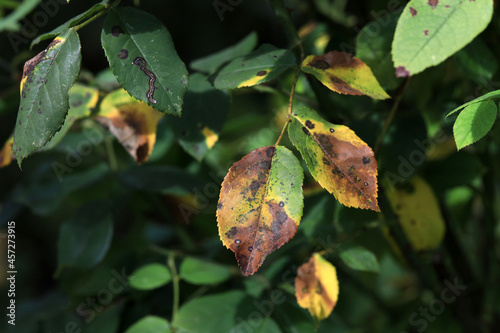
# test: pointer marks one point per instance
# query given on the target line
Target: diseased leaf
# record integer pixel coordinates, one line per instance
(337, 158)
(91, 12)
(205, 110)
(418, 211)
(359, 258)
(82, 100)
(428, 32)
(211, 63)
(317, 287)
(150, 277)
(344, 73)
(262, 65)
(260, 205)
(85, 239)
(6, 154)
(47, 79)
(132, 122)
(150, 324)
(197, 271)
(142, 56)
(474, 122)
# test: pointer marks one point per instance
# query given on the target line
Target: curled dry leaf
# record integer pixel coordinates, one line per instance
(317, 287)
(132, 122)
(260, 205)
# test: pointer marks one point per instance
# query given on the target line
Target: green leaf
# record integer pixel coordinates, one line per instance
(359, 258)
(11, 22)
(428, 32)
(210, 314)
(474, 122)
(149, 277)
(85, 239)
(47, 80)
(197, 271)
(486, 97)
(211, 63)
(94, 10)
(262, 65)
(477, 61)
(142, 56)
(150, 324)
(205, 110)
(82, 100)
(266, 325)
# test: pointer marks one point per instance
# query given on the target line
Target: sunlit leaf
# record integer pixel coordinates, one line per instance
(132, 122)
(150, 324)
(204, 113)
(262, 65)
(474, 122)
(143, 58)
(428, 32)
(197, 271)
(344, 73)
(6, 154)
(317, 287)
(150, 276)
(209, 64)
(47, 79)
(486, 97)
(337, 158)
(260, 205)
(418, 212)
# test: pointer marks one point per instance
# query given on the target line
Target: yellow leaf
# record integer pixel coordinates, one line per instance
(418, 212)
(131, 121)
(345, 74)
(260, 205)
(6, 154)
(317, 287)
(337, 158)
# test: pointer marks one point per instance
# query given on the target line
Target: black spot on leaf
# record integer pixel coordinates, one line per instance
(309, 124)
(320, 64)
(261, 73)
(116, 30)
(366, 160)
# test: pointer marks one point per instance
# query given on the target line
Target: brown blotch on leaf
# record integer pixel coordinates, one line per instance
(343, 87)
(320, 64)
(305, 130)
(116, 30)
(426, 32)
(232, 232)
(270, 151)
(433, 3)
(30, 65)
(401, 71)
(123, 54)
(309, 124)
(413, 11)
(261, 73)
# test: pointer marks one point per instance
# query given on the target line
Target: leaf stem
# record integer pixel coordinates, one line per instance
(175, 282)
(290, 105)
(96, 16)
(108, 141)
(389, 118)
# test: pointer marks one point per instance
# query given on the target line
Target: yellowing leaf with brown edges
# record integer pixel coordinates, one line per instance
(317, 287)
(344, 73)
(337, 158)
(260, 205)
(418, 212)
(6, 154)
(132, 122)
